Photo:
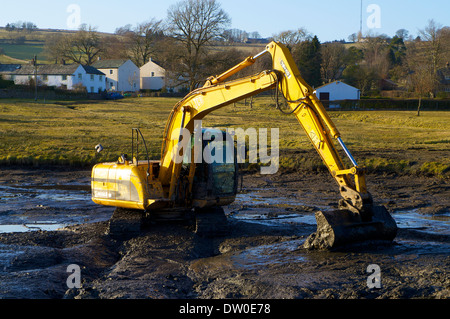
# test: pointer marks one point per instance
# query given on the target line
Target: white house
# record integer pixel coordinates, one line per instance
(121, 75)
(152, 76)
(337, 91)
(155, 77)
(60, 75)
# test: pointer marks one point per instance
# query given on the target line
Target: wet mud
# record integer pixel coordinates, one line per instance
(47, 222)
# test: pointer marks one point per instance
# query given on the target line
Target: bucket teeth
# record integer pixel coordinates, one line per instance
(343, 227)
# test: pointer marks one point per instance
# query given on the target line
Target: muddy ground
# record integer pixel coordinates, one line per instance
(262, 256)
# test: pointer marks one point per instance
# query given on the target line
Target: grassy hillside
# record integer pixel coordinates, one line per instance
(23, 52)
(39, 35)
(65, 133)
(30, 44)
(4, 59)
(33, 44)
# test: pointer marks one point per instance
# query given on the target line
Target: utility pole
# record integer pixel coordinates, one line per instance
(35, 78)
(360, 21)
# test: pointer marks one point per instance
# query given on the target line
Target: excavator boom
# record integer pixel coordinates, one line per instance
(309, 111)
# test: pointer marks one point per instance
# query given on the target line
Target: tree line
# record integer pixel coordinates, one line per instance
(183, 44)
(21, 26)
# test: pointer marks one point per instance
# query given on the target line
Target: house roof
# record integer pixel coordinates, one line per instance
(8, 68)
(109, 64)
(52, 69)
(91, 70)
(335, 82)
(47, 69)
(152, 63)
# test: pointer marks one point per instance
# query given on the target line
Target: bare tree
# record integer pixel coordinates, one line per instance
(402, 34)
(115, 47)
(333, 61)
(255, 35)
(422, 80)
(292, 38)
(433, 44)
(376, 51)
(444, 35)
(426, 57)
(194, 23)
(235, 35)
(124, 30)
(82, 47)
(143, 41)
(52, 47)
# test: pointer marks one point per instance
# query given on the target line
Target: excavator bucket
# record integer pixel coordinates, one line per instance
(342, 227)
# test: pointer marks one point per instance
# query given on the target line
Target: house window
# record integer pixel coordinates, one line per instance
(92, 77)
(64, 77)
(45, 77)
(325, 96)
(80, 76)
(111, 84)
(153, 73)
(100, 78)
(111, 71)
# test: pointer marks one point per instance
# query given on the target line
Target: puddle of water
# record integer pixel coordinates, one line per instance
(262, 256)
(15, 194)
(28, 207)
(256, 199)
(272, 215)
(256, 213)
(439, 224)
(258, 216)
(30, 227)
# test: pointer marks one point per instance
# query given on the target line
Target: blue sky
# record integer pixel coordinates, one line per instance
(328, 19)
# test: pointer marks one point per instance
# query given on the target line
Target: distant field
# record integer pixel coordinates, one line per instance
(8, 60)
(23, 52)
(35, 41)
(65, 133)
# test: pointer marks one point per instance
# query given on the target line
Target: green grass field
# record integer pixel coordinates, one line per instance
(24, 52)
(65, 133)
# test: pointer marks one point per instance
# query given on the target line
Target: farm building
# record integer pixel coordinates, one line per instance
(155, 77)
(67, 76)
(121, 75)
(337, 91)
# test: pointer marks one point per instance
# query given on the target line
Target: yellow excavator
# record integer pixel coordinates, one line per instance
(171, 187)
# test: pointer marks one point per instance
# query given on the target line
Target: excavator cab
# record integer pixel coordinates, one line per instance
(217, 171)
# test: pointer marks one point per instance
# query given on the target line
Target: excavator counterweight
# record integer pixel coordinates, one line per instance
(171, 185)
